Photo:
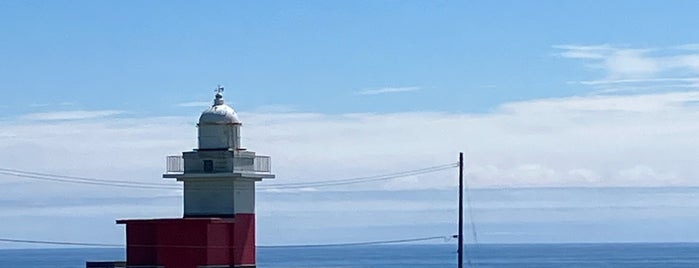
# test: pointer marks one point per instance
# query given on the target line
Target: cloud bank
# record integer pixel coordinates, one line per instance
(632, 140)
(629, 69)
(386, 90)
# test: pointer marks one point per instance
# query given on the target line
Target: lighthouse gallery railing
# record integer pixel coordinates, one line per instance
(261, 163)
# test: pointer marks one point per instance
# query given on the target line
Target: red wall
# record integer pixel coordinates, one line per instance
(244, 247)
(139, 236)
(191, 242)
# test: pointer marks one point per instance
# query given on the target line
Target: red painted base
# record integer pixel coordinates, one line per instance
(191, 242)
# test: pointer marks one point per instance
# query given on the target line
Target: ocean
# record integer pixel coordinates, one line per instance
(395, 256)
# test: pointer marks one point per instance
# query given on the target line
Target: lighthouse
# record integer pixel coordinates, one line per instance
(217, 228)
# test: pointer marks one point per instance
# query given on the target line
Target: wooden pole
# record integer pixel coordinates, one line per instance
(461, 210)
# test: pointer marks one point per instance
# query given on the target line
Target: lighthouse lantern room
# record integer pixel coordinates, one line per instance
(218, 225)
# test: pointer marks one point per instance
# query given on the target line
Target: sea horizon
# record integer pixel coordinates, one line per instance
(409, 255)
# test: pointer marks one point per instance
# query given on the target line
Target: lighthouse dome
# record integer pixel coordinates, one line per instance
(219, 113)
(219, 126)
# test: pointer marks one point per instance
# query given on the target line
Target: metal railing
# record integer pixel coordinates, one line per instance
(175, 164)
(261, 163)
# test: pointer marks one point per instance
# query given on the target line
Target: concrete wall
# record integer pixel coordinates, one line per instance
(209, 197)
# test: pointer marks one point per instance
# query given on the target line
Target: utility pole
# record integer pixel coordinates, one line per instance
(461, 210)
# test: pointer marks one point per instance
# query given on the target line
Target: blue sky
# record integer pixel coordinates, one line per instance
(588, 105)
(465, 56)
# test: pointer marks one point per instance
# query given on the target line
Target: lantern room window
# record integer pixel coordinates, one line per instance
(208, 166)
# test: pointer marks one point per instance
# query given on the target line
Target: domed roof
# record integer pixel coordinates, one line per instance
(219, 113)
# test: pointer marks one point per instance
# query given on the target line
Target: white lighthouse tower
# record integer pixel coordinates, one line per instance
(218, 226)
(219, 177)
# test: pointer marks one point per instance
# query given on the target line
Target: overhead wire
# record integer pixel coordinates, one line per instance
(16, 171)
(144, 185)
(88, 244)
(161, 186)
(469, 208)
(98, 183)
(368, 243)
(360, 179)
(61, 243)
(372, 177)
(471, 221)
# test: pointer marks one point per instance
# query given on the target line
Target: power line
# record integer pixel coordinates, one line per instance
(98, 183)
(469, 208)
(160, 186)
(450, 165)
(369, 243)
(63, 243)
(22, 172)
(87, 244)
(462, 247)
(360, 179)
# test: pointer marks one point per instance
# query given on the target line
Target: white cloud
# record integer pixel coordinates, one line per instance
(585, 175)
(631, 63)
(406, 183)
(584, 52)
(574, 141)
(638, 69)
(635, 140)
(634, 81)
(71, 115)
(386, 90)
(291, 190)
(278, 108)
(195, 104)
(589, 141)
